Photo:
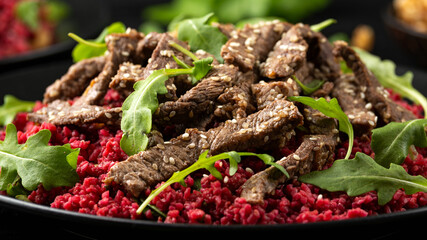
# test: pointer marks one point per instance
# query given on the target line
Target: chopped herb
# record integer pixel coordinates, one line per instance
(205, 162)
(11, 107)
(35, 162)
(331, 109)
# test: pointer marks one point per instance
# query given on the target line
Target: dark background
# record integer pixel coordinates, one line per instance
(14, 79)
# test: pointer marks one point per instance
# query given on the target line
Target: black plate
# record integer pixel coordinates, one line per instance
(86, 18)
(29, 83)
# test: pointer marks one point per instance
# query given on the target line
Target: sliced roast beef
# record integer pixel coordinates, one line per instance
(75, 81)
(352, 99)
(158, 163)
(384, 107)
(249, 46)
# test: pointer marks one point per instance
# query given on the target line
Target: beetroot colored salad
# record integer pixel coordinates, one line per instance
(214, 124)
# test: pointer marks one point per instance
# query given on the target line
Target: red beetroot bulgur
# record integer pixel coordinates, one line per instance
(206, 199)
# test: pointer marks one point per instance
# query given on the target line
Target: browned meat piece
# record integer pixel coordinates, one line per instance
(62, 113)
(127, 75)
(267, 92)
(200, 101)
(249, 46)
(384, 107)
(296, 47)
(121, 48)
(313, 153)
(225, 28)
(158, 163)
(352, 100)
(74, 82)
(316, 150)
(236, 101)
(146, 46)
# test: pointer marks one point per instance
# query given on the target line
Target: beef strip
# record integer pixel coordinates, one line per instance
(352, 100)
(121, 48)
(74, 82)
(384, 107)
(127, 75)
(316, 150)
(62, 113)
(267, 92)
(296, 47)
(249, 46)
(158, 163)
(200, 101)
(312, 154)
(236, 101)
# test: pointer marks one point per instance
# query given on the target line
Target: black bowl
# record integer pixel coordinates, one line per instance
(413, 42)
(86, 19)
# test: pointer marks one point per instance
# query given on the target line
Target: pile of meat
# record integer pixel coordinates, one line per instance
(239, 105)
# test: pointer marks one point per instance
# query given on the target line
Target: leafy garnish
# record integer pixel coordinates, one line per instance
(362, 174)
(310, 87)
(322, 25)
(11, 107)
(385, 71)
(391, 143)
(28, 13)
(205, 162)
(35, 162)
(97, 47)
(331, 109)
(201, 35)
(139, 106)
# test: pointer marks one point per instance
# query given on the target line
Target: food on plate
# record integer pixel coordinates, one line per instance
(26, 25)
(222, 125)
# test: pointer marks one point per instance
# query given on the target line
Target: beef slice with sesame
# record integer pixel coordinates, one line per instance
(251, 45)
(384, 107)
(158, 163)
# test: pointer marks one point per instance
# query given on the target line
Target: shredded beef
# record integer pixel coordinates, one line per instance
(158, 163)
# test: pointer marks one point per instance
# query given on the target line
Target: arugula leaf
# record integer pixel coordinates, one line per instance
(385, 70)
(97, 47)
(362, 174)
(311, 87)
(391, 143)
(201, 35)
(35, 162)
(322, 25)
(331, 109)
(140, 105)
(11, 107)
(28, 13)
(205, 162)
